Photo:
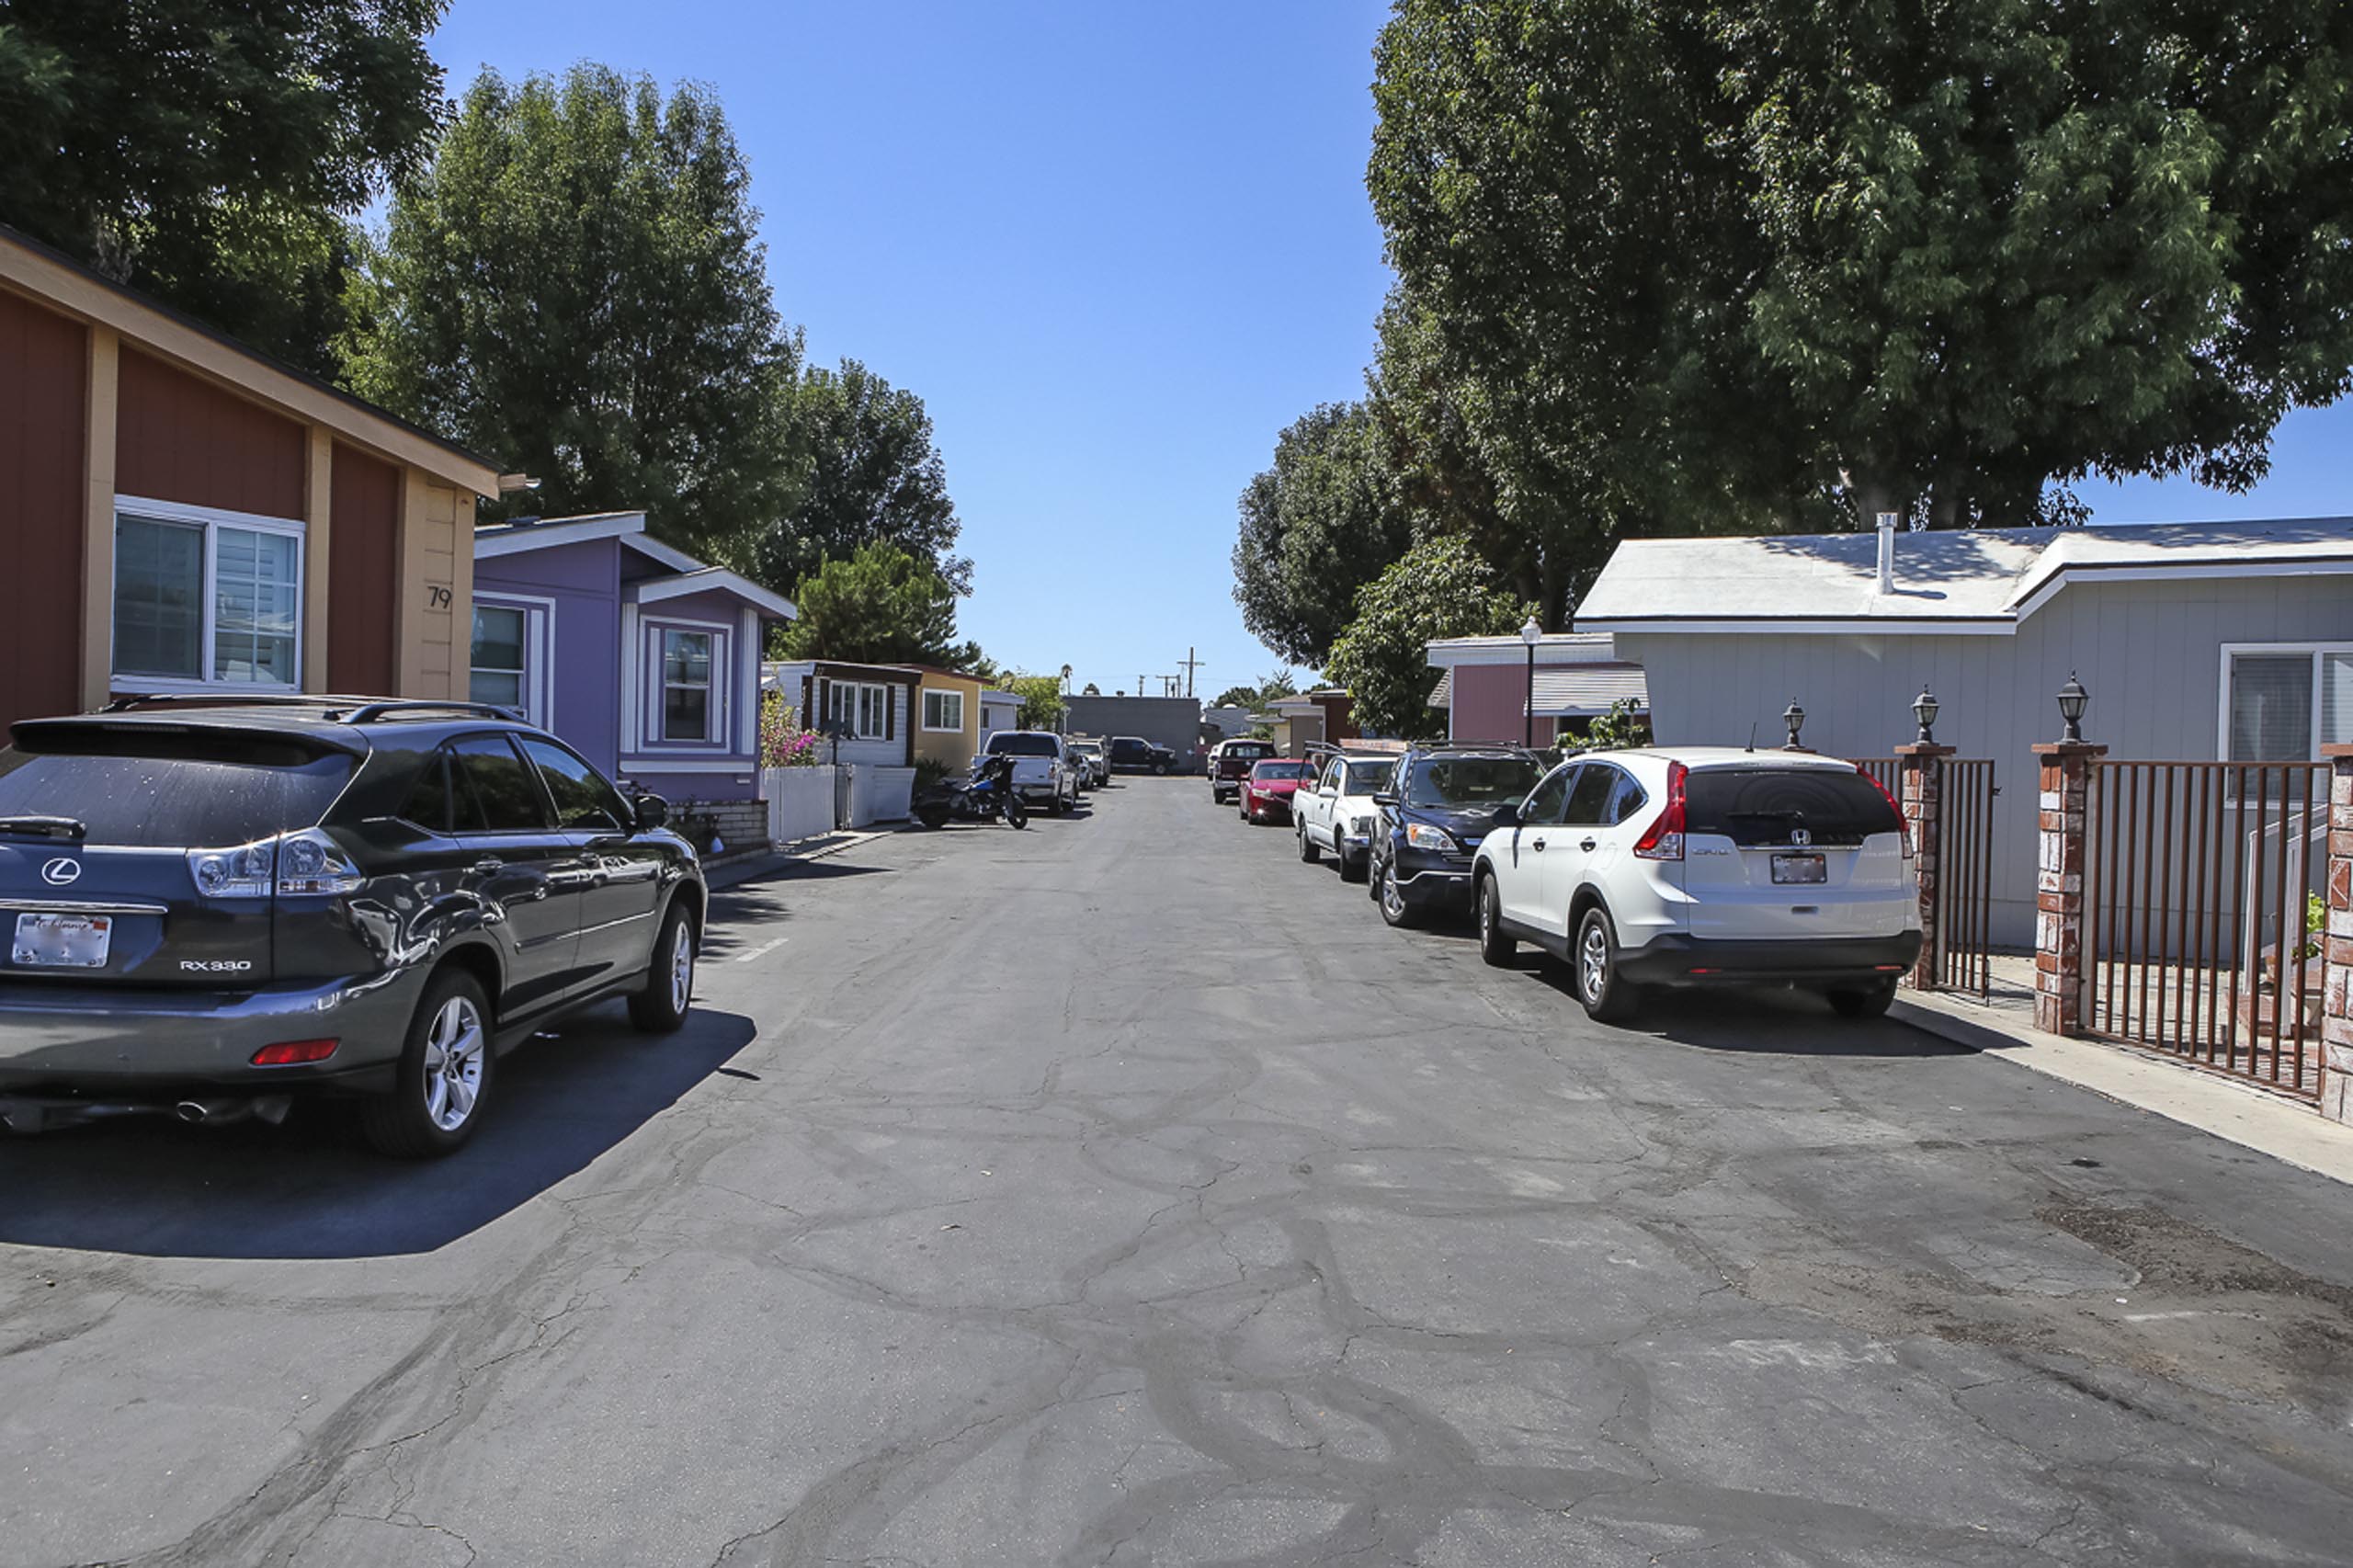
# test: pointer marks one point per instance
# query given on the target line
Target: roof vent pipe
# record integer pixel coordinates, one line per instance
(1887, 552)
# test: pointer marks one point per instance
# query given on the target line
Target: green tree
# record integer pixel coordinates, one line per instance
(880, 605)
(869, 471)
(1041, 700)
(577, 287)
(1764, 262)
(210, 153)
(2007, 244)
(1278, 685)
(1440, 588)
(1315, 527)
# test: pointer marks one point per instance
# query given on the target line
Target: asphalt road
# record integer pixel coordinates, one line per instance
(1123, 1192)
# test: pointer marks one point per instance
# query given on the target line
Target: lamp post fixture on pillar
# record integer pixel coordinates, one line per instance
(1923, 709)
(1794, 716)
(2073, 700)
(1530, 634)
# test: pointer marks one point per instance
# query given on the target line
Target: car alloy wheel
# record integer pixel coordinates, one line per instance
(454, 1047)
(682, 968)
(1593, 963)
(1393, 897)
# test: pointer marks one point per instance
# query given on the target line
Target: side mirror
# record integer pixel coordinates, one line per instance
(651, 812)
(1384, 799)
(1507, 816)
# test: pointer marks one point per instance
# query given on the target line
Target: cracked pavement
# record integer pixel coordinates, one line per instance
(1122, 1192)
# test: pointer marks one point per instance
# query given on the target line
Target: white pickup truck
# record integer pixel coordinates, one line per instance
(1044, 769)
(1336, 813)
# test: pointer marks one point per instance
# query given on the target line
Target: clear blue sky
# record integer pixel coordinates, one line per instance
(1115, 249)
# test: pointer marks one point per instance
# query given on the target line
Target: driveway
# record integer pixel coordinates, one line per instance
(1123, 1192)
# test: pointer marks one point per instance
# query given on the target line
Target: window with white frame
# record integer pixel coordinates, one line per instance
(858, 710)
(501, 663)
(944, 710)
(688, 707)
(2282, 703)
(207, 598)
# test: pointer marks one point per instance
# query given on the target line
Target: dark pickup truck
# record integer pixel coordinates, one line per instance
(1134, 754)
(1231, 763)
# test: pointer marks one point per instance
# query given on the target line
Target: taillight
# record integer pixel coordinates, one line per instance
(1662, 840)
(1903, 827)
(304, 862)
(294, 1052)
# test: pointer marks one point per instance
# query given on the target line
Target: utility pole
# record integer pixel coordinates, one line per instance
(1140, 686)
(1190, 664)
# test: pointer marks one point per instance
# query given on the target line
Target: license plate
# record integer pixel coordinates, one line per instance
(64, 941)
(1799, 869)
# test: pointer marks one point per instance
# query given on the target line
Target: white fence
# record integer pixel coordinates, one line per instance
(800, 801)
(804, 802)
(877, 794)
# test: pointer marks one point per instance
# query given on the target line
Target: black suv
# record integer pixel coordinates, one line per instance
(213, 903)
(1134, 754)
(1439, 803)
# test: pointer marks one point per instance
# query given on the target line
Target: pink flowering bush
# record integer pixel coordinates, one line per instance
(783, 743)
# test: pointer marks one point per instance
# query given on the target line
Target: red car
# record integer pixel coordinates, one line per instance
(1266, 792)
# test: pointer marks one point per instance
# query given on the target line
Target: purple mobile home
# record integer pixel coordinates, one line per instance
(641, 656)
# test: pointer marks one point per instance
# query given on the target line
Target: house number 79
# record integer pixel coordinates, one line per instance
(436, 598)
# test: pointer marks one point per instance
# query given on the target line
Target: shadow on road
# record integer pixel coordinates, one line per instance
(1758, 1020)
(309, 1189)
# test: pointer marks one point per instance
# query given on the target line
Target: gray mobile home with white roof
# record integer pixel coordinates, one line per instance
(2198, 641)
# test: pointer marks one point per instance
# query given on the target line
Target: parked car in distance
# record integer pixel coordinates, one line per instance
(1134, 754)
(1702, 866)
(1230, 762)
(1042, 768)
(1437, 807)
(1268, 788)
(1095, 766)
(1338, 813)
(215, 905)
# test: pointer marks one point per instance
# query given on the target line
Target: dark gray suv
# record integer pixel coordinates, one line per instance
(210, 906)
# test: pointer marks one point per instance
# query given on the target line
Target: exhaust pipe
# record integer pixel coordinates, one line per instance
(213, 1113)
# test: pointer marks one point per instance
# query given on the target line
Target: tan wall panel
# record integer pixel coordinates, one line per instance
(431, 587)
(97, 517)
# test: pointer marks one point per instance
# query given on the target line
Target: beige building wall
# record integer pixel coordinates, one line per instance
(436, 590)
(953, 750)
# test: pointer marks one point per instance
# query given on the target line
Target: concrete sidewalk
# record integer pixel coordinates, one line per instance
(2229, 1108)
(749, 868)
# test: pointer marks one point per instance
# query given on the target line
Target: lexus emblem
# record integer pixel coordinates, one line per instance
(1801, 836)
(62, 872)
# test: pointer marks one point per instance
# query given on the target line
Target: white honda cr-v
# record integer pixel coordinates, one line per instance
(1705, 865)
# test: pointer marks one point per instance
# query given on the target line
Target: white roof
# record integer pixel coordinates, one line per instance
(1947, 581)
(1554, 648)
(521, 536)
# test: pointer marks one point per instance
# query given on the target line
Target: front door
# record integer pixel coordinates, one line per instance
(1585, 823)
(527, 876)
(622, 893)
(1520, 860)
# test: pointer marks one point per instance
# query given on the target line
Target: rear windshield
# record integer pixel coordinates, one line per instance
(1763, 805)
(171, 791)
(1364, 778)
(1248, 748)
(1470, 780)
(1283, 770)
(1005, 745)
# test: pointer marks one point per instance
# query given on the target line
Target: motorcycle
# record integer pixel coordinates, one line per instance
(988, 794)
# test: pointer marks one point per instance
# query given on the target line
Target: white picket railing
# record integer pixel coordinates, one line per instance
(802, 801)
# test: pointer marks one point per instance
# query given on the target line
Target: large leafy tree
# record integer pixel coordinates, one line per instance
(1440, 588)
(1683, 267)
(576, 285)
(1560, 363)
(2008, 243)
(1315, 527)
(209, 152)
(870, 472)
(880, 605)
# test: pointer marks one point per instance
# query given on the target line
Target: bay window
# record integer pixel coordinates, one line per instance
(206, 597)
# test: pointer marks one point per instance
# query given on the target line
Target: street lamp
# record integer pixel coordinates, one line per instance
(1794, 716)
(1530, 634)
(2073, 700)
(1923, 709)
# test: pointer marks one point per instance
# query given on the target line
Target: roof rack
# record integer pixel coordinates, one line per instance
(124, 704)
(368, 712)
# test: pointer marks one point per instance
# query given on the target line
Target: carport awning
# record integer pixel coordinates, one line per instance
(1585, 691)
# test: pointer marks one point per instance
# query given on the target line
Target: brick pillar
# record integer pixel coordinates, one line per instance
(2337, 943)
(1921, 772)
(2060, 963)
